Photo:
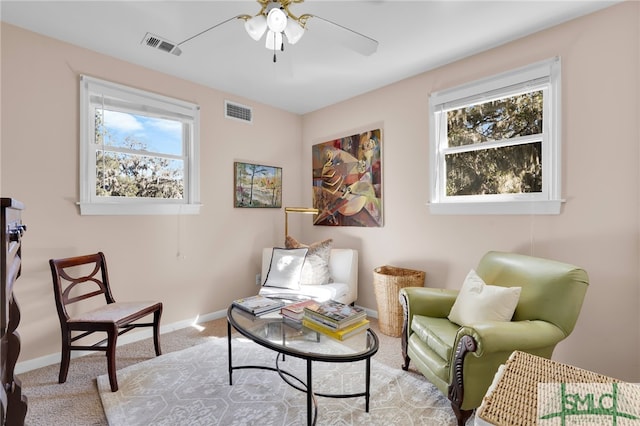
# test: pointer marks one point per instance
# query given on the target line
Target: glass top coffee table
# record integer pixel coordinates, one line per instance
(283, 337)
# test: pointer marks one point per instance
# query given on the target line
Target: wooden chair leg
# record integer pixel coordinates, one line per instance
(404, 336)
(461, 415)
(112, 337)
(66, 357)
(156, 331)
(456, 388)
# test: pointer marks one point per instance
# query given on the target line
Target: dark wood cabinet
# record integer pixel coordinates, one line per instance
(13, 405)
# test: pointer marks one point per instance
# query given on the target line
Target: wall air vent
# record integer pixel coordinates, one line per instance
(159, 43)
(238, 112)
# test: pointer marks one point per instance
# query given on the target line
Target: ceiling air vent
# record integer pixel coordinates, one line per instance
(159, 43)
(238, 112)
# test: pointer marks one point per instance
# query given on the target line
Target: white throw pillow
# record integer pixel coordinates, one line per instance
(285, 268)
(315, 270)
(479, 302)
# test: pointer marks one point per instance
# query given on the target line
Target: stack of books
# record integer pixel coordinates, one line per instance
(295, 311)
(335, 319)
(258, 305)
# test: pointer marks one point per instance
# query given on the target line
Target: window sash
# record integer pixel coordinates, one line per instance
(95, 93)
(187, 127)
(520, 140)
(541, 76)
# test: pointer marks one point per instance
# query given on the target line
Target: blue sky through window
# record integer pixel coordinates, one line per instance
(157, 134)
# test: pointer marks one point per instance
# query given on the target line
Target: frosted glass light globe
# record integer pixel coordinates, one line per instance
(276, 20)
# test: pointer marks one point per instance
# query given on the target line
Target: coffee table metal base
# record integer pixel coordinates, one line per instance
(301, 385)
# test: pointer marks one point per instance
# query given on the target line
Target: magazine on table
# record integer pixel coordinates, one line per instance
(258, 304)
(335, 314)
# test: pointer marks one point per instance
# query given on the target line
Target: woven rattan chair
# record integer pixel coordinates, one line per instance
(80, 278)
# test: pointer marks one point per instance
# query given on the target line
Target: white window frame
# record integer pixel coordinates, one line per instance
(546, 74)
(139, 101)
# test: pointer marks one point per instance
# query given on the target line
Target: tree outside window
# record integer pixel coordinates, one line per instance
(508, 169)
(495, 144)
(126, 167)
(138, 151)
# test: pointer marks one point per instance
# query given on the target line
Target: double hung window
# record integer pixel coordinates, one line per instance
(495, 144)
(138, 151)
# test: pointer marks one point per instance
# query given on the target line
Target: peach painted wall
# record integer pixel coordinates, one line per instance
(221, 246)
(598, 226)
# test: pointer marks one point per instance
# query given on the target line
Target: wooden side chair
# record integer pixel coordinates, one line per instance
(80, 278)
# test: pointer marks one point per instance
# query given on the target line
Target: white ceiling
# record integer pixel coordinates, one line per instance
(413, 36)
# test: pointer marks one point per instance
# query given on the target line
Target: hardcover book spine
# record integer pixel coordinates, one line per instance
(320, 321)
(320, 329)
(336, 334)
(332, 322)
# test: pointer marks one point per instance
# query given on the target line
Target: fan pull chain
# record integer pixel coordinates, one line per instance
(274, 47)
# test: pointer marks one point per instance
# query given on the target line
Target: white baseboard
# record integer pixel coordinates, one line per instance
(370, 312)
(43, 361)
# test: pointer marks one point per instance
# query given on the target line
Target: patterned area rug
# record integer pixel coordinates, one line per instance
(191, 387)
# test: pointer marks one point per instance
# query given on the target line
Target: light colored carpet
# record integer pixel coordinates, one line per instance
(77, 402)
(191, 387)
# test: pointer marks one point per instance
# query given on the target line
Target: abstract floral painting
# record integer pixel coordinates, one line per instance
(347, 180)
(257, 185)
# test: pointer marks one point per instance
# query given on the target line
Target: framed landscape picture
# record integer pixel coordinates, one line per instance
(256, 185)
(347, 180)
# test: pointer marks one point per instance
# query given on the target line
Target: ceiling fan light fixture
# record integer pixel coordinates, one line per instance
(256, 26)
(276, 20)
(294, 31)
(273, 40)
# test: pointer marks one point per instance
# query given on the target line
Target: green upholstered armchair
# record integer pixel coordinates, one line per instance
(462, 360)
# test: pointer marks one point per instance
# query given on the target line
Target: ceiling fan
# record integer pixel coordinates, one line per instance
(276, 20)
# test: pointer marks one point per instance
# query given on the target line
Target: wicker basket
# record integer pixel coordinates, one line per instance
(513, 398)
(387, 282)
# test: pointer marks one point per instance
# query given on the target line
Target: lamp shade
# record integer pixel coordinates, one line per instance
(276, 20)
(256, 26)
(294, 31)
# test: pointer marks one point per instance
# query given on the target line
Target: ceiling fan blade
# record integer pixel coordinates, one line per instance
(348, 37)
(210, 28)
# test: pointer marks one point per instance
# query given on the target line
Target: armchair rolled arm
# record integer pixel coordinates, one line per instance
(430, 302)
(484, 339)
(512, 335)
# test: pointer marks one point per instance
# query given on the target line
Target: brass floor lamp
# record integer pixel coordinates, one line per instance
(303, 210)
